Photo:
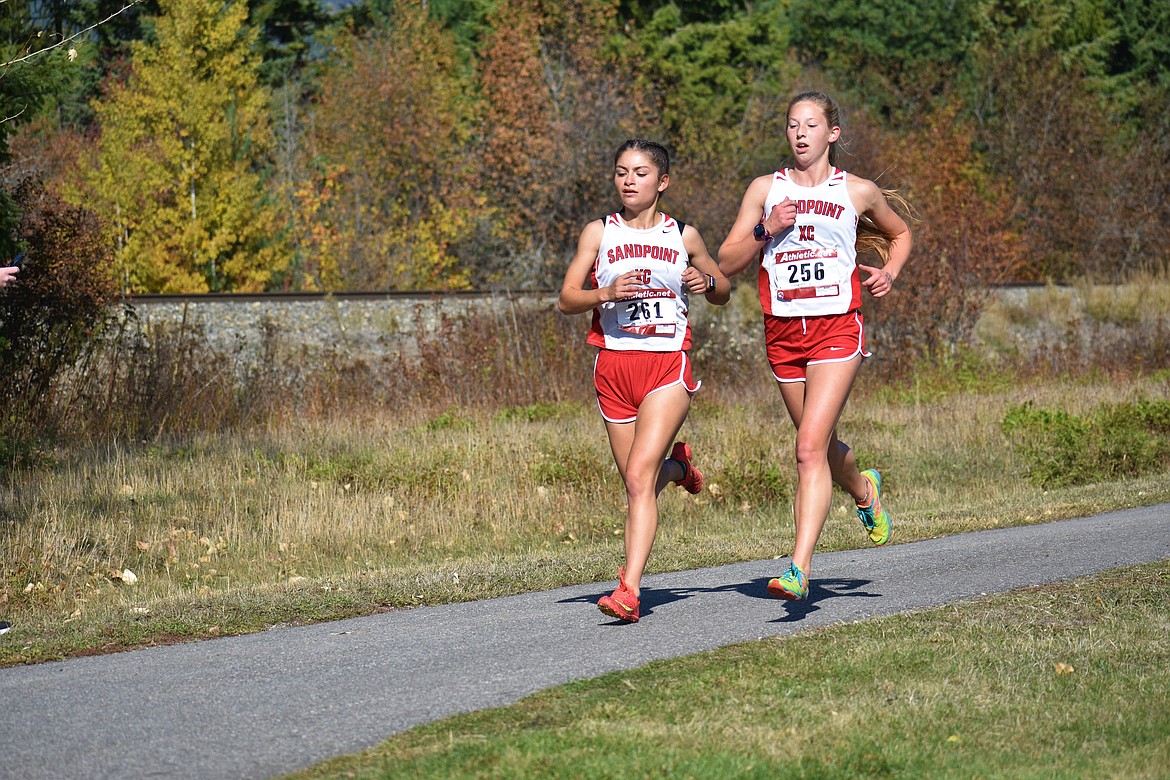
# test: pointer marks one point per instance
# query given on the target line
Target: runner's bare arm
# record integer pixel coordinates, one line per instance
(702, 268)
(576, 297)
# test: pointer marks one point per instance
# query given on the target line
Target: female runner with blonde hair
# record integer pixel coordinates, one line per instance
(805, 225)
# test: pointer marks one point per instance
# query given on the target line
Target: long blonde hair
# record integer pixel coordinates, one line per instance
(870, 238)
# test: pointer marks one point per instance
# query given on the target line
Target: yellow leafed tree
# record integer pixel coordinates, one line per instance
(179, 169)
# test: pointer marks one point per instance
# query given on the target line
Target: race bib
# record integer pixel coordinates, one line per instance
(654, 312)
(806, 273)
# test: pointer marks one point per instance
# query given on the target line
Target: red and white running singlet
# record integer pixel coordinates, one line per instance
(655, 320)
(810, 269)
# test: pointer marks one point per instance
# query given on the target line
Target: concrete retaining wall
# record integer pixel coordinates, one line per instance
(358, 325)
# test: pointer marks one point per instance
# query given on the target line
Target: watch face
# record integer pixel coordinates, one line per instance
(760, 232)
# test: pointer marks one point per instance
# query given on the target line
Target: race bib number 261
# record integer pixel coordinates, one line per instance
(653, 313)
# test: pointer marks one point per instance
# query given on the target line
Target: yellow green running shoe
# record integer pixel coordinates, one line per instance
(791, 585)
(874, 517)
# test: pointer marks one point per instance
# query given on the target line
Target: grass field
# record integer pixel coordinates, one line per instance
(135, 544)
(1062, 681)
(138, 541)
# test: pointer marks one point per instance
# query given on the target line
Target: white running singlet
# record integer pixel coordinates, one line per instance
(810, 269)
(655, 320)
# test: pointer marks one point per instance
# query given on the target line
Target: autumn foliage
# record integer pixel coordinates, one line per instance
(49, 317)
(402, 144)
(967, 239)
(176, 175)
(392, 187)
(554, 109)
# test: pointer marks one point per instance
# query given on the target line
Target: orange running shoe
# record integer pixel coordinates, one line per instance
(693, 478)
(622, 603)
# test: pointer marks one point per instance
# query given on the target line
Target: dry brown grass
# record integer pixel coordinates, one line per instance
(476, 488)
(338, 517)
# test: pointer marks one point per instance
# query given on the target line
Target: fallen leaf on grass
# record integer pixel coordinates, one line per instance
(1062, 668)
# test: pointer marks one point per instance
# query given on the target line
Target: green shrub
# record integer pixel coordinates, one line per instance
(759, 480)
(537, 412)
(1117, 440)
(450, 420)
(569, 464)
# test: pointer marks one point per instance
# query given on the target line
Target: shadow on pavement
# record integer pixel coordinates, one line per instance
(819, 590)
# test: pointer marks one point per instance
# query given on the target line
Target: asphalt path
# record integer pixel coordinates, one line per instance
(265, 704)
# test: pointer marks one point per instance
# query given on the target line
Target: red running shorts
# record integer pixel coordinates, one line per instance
(624, 378)
(795, 343)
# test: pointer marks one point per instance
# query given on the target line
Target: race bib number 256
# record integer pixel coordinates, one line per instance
(807, 273)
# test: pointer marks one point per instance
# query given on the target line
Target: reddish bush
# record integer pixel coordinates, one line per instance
(965, 240)
(49, 316)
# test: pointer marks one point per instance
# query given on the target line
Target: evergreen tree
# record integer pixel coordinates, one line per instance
(32, 71)
(720, 89)
(287, 29)
(893, 54)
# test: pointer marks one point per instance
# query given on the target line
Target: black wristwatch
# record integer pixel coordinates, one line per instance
(761, 233)
(710, 283)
